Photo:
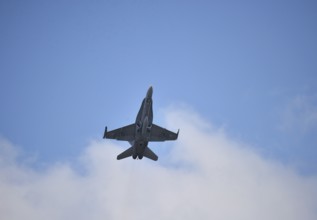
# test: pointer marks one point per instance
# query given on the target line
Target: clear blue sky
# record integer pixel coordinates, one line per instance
(68, 68)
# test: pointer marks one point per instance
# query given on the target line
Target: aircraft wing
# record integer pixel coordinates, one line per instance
(126, 133)
(161, 134)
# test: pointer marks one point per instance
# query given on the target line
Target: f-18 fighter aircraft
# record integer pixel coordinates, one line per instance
(141, 132)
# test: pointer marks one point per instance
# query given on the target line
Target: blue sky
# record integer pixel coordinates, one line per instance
(238, 78)
(68, 68)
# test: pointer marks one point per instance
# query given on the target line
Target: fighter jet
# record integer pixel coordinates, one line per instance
(140, 133)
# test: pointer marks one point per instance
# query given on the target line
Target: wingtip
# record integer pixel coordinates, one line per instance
(177, 134)
(105, 133)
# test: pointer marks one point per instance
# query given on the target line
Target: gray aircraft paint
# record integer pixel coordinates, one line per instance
(141, 132)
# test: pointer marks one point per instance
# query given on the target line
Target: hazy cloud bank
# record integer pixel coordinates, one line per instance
(205, 175)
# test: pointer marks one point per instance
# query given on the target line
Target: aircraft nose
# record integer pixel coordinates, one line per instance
(149, 92)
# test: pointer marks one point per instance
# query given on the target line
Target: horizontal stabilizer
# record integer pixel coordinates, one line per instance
(149, 154)
(125, 154)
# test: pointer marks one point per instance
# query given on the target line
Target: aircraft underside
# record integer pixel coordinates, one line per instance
(139, 148)
(141, 132)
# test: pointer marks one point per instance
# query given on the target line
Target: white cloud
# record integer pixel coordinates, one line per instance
(207, 176)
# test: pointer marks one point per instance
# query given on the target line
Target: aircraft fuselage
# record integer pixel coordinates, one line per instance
(143, 124)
